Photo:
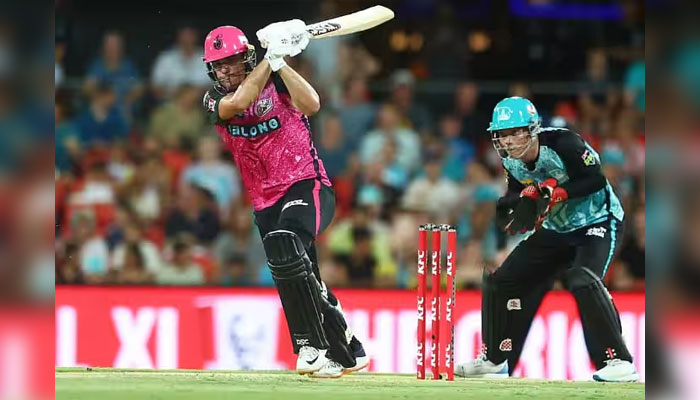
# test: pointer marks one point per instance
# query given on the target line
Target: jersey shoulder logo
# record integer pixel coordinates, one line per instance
(209, 103)
(263, 107)
(588, 158)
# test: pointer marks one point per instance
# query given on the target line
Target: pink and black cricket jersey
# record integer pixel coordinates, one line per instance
(270, 143)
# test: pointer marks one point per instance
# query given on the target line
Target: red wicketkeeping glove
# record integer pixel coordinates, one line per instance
(555, 194)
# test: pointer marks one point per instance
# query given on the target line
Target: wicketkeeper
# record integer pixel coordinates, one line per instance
(558, 195)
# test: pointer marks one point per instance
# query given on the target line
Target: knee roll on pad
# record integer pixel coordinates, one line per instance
(298, 288)
(283, 247)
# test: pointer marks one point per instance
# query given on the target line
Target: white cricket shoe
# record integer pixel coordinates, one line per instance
(482, 368)
(360, 363)
(310, 360)
(333, 369)
(616, 370)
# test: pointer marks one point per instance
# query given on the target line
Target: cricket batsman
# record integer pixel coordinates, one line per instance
(261, 115)
(557, 195)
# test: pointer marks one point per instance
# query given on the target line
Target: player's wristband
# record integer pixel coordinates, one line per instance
(276, 63)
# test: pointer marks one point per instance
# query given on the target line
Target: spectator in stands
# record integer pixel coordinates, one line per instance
(234, 271)
(66, 138)
(180, 65)
(479, 194)
(69, 270)
(133, 270)
(149, 255)
(102, 122)
(93, 251)
(403, 239)
(361, 262)
(120, 167)
(355, 61)
(388, 128)
(213, 173)
(113, 69)
(95, 193)
(383, 182)
(459, 152)
(332, 145)
(341, 243)
(631, 141)
(371, 192)
(520, 89)
(393, 176)
(195, 213)
(181, 270)
(176, 157)
(147, 189)
(241, 238)
(181, 116)
(432, 192)
(613, 163)
(59, 55)
(597, 97)
(334, 272)
(629, 271)
(356, 113)
(466, 107)
(412, 114)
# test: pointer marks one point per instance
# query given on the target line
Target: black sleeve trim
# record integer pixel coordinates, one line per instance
(514, 185)
(585, 186)
(582, 166)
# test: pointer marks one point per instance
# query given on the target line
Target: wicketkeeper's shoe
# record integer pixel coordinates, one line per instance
(482, 368)
(616, 370)
(310, 360)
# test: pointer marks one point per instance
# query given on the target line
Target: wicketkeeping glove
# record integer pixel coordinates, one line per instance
(527, 211)
(553, 194)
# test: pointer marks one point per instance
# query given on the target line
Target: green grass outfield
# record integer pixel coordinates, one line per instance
(122, 384)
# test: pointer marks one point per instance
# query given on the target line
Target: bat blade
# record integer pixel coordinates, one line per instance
(350, 23)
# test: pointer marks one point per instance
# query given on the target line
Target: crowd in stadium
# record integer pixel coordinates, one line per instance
(146, 195)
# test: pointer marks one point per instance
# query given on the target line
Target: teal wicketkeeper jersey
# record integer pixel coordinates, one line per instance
(566, 157)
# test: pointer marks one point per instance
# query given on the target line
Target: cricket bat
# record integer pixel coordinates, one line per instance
(351, 23)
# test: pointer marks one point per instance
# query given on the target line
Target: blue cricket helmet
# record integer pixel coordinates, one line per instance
(514, 112)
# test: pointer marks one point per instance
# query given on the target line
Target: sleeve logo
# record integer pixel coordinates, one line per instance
(588, 158)
(211, 105)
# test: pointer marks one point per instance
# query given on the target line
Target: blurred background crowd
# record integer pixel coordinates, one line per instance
(146, 195)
